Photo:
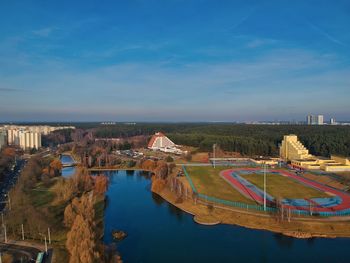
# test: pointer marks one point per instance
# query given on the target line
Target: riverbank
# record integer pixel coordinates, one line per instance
(299, 228)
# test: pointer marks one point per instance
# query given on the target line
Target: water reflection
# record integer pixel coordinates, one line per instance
(159, 232)
(68, 171)
(284, 241)
(130, 172)
(157, 199)
(175, 211)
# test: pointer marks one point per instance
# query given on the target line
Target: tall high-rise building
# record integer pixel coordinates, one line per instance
(309, 119)
(332, 121)
(2, 138)
(28, 137)
(13, 136)
(314, 119)
(320, 120)
(29, 140)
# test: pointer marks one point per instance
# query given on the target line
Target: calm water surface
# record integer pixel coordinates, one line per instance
(159, 232)
(67, 171)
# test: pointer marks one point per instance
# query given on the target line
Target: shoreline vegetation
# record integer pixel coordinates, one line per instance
(63, 206)
(70, 210)
(41, 197)
(297, 229)
(176, 190)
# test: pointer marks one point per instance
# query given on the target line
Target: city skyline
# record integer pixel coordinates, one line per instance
(174, 61)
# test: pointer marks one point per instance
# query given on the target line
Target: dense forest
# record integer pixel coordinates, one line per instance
(243, 138)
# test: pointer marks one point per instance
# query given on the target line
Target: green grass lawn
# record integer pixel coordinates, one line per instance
(207, 181)
(41, 197)
(279, 186)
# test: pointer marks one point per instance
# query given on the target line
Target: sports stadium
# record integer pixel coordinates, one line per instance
(243, 187)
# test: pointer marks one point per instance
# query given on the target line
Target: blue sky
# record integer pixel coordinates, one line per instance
(173, 60)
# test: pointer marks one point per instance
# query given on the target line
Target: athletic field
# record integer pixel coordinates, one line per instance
(245, 185)
(207, 181)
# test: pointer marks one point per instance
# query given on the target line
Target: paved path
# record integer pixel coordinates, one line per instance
(29, 254)
(27, 248)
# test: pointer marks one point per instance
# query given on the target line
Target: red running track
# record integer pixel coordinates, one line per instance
(345, 204)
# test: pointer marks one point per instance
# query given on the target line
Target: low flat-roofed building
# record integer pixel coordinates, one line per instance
(311, 164)
(267, 161)
(292, 150)
(341, 159)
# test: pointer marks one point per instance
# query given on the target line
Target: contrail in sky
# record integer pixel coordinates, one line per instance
(243, 19)
(328, 36)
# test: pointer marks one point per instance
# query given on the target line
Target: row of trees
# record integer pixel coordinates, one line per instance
(83, 242)
(265, 139)
(24, 208)
(41, 200)
(242, 138)
(99, 153)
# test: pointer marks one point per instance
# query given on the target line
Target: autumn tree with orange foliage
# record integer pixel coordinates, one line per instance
(148, 165)
(157, 184)
(81, 240)
(101, 184)
(160, 178)
(9, 151)
(161, 170)
(83, 206)
(64, 190)
(55, 167)
(82, 180)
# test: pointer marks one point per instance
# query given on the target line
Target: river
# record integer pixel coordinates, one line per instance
(159, 232)
(67, 160)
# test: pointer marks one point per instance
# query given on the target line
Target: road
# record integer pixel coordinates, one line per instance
(10, 179)
(20, 253)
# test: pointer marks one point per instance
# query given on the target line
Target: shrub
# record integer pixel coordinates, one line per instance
(169, 159)
(131, 163)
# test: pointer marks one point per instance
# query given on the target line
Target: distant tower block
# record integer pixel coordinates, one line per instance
(320, 120)
(315, 119)
(291, 148)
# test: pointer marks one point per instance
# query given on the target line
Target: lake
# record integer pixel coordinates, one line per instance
(159, 232)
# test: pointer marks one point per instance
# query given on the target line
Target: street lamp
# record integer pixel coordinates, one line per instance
(214, 147)
(45, 241)
(264, 186)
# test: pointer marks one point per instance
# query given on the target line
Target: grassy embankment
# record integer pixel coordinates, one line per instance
(43, 199)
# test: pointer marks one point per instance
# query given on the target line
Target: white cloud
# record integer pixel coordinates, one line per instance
(280, 82)
(255, 43)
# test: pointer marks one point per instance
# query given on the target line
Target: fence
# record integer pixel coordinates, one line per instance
(259, 208)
